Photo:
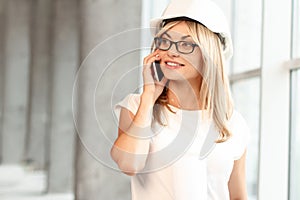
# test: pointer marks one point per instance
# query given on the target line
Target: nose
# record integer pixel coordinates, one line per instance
(172, 52)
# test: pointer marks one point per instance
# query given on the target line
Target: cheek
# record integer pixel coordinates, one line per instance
(195, 62)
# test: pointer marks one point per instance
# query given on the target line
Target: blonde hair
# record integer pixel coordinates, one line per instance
(215, 95)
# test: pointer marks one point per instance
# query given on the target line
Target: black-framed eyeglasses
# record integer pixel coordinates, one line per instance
(183, 47)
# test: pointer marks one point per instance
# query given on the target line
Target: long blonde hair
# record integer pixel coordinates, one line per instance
(215, 95)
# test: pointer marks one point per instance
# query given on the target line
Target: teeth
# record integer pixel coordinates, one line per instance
(172, 64)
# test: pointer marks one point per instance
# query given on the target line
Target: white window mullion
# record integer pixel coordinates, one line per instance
(273, 179)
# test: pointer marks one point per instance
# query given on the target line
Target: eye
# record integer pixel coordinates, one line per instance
(186, 44)
(164, 41)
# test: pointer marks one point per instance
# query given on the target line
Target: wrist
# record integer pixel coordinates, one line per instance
(143, 116)
(147, 99)
(140, 131)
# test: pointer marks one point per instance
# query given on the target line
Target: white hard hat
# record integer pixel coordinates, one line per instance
(204, 11)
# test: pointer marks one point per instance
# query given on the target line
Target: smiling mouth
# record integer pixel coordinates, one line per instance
(173, 65)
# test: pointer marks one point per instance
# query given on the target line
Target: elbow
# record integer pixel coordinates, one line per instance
(129, 164)
(130, 169)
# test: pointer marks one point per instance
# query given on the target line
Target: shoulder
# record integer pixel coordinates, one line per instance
(240, 134)
(131, 102)
(237, 122)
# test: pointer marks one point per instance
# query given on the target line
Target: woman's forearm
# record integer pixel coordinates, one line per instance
(130, 150)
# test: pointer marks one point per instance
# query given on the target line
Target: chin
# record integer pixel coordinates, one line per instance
(176, 78)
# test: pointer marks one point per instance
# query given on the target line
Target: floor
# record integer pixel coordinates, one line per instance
(20, 183)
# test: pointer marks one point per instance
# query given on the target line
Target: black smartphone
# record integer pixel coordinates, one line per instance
(157, 73)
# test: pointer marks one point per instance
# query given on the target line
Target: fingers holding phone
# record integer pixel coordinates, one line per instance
(156, 71)
(154, 80)
(150, 72)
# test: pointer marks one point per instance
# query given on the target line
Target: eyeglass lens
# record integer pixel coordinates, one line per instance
(181, 46)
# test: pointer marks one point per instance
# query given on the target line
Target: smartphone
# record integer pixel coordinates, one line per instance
(157, 73)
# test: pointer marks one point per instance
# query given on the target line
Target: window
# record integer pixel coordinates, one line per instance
(245, 78)
(247, 101)
(246, 23)
(296, 29)
(295, 136)
(294, 175)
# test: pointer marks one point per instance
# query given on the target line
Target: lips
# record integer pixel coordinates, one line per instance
(173, 65)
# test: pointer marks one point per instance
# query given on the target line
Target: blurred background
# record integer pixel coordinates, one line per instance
(48, 147)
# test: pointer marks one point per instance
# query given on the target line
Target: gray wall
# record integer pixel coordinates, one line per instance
(42, 44)
(2, 15)
(16, 75)
(65, 51)
(40, 84)
(106, 24)
(40, 54)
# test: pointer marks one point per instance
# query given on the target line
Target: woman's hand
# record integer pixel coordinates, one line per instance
(152, 88)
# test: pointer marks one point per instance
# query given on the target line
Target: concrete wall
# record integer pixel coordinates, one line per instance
(40, 85)
(42, 43)
(15, 98)
(39, 56)
(103, 23)
(65, 51)
(2, 15)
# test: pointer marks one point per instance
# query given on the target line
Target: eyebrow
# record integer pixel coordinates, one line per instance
(183, 37)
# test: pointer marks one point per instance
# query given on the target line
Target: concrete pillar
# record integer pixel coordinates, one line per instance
(36, 144)
(65, 42)
(17, 58)
(2, 15)
(103, 23)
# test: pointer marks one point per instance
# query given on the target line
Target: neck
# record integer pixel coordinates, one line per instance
(185, 94)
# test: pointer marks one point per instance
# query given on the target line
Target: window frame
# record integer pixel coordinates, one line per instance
(293, 69)
(292, 65)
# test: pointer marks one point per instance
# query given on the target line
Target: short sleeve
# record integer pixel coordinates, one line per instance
(130, 102)
(240, 135)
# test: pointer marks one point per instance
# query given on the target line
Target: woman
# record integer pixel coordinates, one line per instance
(167, 136)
